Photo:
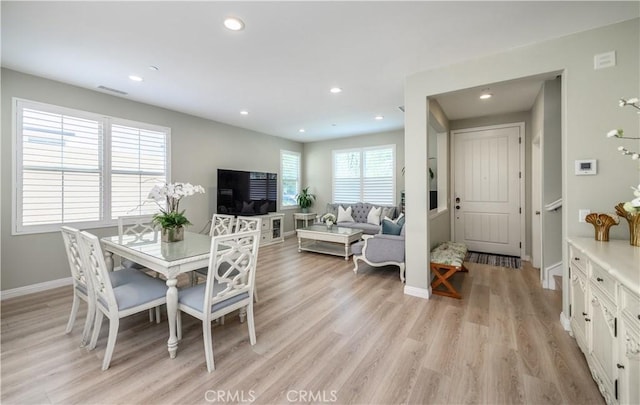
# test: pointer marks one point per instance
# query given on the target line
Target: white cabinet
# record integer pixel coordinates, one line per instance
(272, 229)
(604, 294)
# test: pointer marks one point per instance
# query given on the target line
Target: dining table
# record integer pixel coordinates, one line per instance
(167, 258)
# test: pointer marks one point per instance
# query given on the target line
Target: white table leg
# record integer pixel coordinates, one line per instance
(299, 245)
(172, 313)
(108, 259)
(346, 251)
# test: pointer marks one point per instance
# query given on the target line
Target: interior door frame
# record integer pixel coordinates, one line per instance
(523, 177)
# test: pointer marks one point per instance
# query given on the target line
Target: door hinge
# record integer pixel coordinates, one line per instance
(616, 388)
(519, 175)
(615, 327)
(570, 309)
(520, 245)
(519, 139)
(520, 210)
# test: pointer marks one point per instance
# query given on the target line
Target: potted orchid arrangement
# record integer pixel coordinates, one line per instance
(329, 219)
(170, 219)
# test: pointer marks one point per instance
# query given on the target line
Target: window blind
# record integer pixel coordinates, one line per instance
(290, 177)
(366, 175)
(74, 167)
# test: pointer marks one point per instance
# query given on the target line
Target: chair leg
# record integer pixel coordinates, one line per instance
(111, 342)
(74, 312)
(402, 269)
(91, 313)
(255, 294)
(158, 314)
(150, 315)
(179, 325)
(355, 263)
(252, 327)
(96, 329)
(208, 345)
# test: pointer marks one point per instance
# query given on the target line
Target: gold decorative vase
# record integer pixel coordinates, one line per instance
(173, 234)
(602, 223)
(633, 218)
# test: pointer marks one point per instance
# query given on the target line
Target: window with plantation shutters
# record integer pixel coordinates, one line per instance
(290, 177)
(366, 174)
(84, 169)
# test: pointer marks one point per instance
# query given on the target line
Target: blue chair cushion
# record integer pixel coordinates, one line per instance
(129, 264)
(125, 276)
(193, 297)
(138, 291)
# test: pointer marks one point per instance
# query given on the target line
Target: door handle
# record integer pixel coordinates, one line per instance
(537, 212)
(457, 207)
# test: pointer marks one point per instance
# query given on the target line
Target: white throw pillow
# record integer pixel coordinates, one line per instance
(374, 216)
(395, 221)
(344, 215)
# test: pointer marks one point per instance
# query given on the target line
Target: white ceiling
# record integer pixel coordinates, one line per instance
(280, 68)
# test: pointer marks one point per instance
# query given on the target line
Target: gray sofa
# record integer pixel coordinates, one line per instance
(359, 212)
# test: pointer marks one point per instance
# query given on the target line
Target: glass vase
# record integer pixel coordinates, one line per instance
(173, 234)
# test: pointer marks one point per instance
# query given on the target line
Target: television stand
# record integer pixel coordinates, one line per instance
(272, 228)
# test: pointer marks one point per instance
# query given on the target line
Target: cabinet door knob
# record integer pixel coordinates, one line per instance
(576, 258)
(584, 313)
(599, 279)
(619, 365)
(587, 320)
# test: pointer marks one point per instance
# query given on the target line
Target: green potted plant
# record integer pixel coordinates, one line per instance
(305, 199)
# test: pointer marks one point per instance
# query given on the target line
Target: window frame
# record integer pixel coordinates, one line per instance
(17, 167)
(299, 178)
(362, 151)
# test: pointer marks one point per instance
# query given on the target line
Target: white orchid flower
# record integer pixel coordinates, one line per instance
(615, 133)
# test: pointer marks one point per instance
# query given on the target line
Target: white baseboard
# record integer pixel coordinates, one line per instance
(34, 288)
(417, 292)
(526, 258)
(289, 234)
(566, 323)
(554, 270)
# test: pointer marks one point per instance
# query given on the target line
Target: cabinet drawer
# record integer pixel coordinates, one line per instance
(603, 280)
(578, 259)
(266, 224)
(630, 304)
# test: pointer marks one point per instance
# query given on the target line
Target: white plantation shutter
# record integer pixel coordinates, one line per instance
(138, 162)
(366, 175)
(59, 168)
(290, 177)
(66, 174)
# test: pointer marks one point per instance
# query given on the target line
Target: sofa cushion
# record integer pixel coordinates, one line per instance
(388, 212)
(367, 229)
(374, 215)
(390, 228)
(344, 215)
(356, 248)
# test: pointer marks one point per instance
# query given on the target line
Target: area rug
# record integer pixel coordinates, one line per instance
(510, 262)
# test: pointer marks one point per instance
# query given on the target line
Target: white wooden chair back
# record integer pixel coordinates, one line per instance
(71, 244)
(247, 224)
(232, 266)
(221, 224)
(96, 267)
(141, 227)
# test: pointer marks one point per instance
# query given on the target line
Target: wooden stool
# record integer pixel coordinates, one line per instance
(446, 260)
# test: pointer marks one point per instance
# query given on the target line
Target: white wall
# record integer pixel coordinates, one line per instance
(589, 110)
(318, 159)
(198, 148)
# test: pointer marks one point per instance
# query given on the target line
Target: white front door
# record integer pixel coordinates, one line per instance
(487, 188)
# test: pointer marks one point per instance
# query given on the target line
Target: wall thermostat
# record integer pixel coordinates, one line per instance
(586, 167)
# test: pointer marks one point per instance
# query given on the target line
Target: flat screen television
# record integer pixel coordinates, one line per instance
(246, 193)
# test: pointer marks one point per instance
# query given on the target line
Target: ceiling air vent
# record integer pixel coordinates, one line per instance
(124, 93)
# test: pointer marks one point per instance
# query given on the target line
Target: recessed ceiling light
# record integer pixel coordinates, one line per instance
(234, 24)
(135, 78)
(379, 117)
(336, 90)
(301, 130)
(486, 96)
(244, 112)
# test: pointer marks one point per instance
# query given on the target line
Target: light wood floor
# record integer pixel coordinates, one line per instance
(323, 335)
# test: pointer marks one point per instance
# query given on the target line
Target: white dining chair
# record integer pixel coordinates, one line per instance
(81, 283)
(229, 287)
(221, 224)
(246, 224)
(139, 293)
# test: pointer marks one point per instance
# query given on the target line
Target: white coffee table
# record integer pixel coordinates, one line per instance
(335, 241)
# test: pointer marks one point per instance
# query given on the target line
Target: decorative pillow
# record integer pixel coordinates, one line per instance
(264, 208)
(344, 215)
(374, 216)
(400, 220)
(247, 208)
(390, 228)
(388, 212)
